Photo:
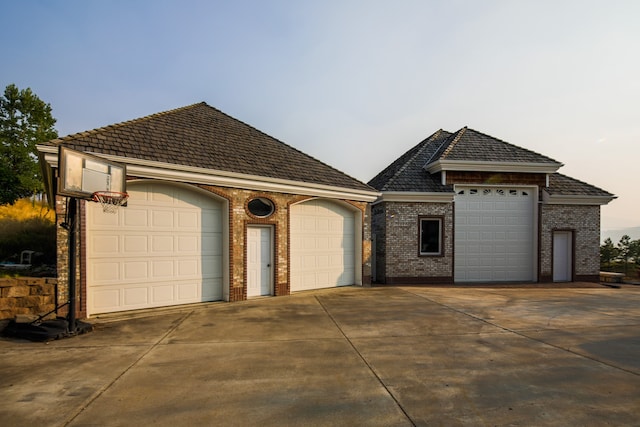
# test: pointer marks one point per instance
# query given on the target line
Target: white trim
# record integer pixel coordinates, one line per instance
(414, 196)
(549, 199)
(497, 166)
(181, 173)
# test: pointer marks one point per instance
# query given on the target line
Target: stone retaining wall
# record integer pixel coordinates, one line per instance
(26, 295)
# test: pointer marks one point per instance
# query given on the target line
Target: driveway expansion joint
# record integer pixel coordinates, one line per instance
(98, 393)
(367, 364)
(523, 335)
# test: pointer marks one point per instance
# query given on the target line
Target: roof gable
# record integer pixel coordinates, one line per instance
(201, 136)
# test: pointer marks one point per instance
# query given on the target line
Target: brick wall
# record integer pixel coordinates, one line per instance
(396, 227)
(584, 222)
(239, 220)
(26, 295)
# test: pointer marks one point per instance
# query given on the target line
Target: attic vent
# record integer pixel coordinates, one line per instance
(486, 192)
(261, 207)
(513, 192)
(524, 193)
(500, 192)
(473, 191)
(461, 192)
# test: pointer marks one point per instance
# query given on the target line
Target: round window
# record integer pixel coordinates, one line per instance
(261, 207)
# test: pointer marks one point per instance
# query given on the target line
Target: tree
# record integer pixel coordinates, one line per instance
(25, 120)
(634, 251)
(608, 252)
(624, 251)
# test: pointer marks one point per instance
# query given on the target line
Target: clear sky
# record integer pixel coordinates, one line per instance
(352, 83)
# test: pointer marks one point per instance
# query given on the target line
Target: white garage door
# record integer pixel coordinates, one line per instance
(322, 245)
(493, 234)
(164, 248)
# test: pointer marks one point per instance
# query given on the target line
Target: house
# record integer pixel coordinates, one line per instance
(466, 207)
(217, 210)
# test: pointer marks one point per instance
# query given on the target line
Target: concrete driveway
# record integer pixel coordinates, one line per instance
(396, 356)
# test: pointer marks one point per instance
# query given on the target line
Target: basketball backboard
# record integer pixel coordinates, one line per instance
(82, 174)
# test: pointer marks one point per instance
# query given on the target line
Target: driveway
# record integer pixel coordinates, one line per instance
(388, 356)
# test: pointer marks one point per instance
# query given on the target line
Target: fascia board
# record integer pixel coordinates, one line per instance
(549, 199)
(415, 197)
(482, 166)
(181, 173)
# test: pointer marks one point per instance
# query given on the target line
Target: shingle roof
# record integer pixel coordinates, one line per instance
(407, 174)
(471, 145)
(201, 136)
(562, 185)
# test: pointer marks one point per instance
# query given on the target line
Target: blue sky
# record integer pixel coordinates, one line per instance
(353, 83)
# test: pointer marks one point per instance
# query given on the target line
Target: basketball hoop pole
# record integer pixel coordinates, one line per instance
(71, 316)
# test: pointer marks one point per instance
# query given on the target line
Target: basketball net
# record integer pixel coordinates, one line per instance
(110, 200)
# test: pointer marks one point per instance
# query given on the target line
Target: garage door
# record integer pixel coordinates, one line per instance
(322, 245)
(164, 248)
(493, 234)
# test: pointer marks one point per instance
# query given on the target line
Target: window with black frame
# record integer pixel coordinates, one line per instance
(430, 236)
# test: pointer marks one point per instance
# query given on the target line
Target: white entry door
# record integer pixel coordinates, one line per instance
(562, 256)
(259, 271)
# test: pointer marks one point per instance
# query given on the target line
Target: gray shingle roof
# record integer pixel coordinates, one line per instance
(201, 136)
(471, 145)
(407, 173)
(562, 185)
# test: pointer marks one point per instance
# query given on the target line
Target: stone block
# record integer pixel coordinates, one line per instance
(8, 302)
(16, 291)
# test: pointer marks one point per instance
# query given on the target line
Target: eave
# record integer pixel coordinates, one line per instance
(564, 199)
(484, 166)
(180, 173)
(415, 197)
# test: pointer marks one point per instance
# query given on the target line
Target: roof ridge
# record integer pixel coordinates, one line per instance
(125, 123)
(439, 148)
(453, 143)
(422, 145)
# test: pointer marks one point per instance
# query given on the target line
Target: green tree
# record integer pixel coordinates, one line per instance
(634, 251)
(624, 251)
(608, 252)
(25, 120)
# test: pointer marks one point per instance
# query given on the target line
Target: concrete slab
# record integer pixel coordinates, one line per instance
(348, 356)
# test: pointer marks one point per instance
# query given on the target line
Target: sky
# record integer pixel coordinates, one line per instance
(353, 83)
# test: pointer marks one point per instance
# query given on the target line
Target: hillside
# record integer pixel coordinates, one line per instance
(615, 235)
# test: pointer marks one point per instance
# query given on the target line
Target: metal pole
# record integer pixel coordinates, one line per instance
(71, 215)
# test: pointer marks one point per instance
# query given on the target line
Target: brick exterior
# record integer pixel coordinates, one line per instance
(239, 220)
(396, 229)
(584, 222)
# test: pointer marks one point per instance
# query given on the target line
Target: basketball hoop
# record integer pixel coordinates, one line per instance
(110, 200)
